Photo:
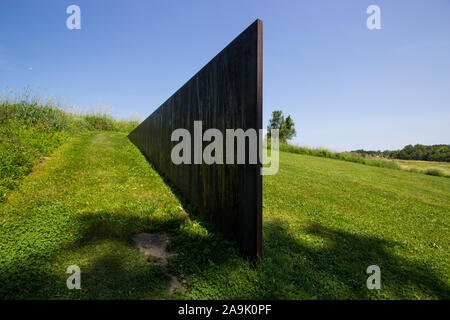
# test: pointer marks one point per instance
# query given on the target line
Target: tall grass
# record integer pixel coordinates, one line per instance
(31, 130)
(435, 172)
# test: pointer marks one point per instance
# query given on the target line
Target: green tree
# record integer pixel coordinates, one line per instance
(286, 127)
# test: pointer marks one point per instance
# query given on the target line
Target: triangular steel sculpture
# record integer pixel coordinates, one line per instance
(225, 94)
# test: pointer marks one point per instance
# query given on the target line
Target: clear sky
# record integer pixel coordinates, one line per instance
(346, 87)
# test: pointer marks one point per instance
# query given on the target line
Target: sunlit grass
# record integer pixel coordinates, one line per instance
(428, 167)
(325, 222)
(29, 131)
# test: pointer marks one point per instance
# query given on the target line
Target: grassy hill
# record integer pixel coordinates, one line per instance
(432, 168)
(30, 131)
(325, 222)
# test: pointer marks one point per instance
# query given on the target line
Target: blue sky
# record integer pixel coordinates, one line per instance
(345, 86)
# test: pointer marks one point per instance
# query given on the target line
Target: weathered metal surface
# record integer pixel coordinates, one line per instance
(225, 94)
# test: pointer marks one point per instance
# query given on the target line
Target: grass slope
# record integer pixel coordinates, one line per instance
(325, 221)
(30, 131)
(345, 156)
(432, 168)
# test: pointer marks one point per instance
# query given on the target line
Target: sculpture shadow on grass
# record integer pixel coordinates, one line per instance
(112, 267)
(334, 267)
(335, 271)
(116, 269)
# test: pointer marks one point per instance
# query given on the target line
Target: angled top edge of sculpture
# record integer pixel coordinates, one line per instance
(225, 94)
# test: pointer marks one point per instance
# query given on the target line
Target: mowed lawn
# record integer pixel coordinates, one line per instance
(325, 222)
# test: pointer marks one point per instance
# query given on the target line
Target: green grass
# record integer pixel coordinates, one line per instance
(441, 169)
(324, 153)
(325, 222)
(336, 218)
(30, 131)
(428, 167)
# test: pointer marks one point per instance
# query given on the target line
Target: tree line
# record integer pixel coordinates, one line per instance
(437, 152)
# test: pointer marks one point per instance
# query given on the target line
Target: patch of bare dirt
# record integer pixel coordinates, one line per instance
(154, 244)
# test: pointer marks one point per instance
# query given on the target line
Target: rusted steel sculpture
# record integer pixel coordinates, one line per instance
(225, 94)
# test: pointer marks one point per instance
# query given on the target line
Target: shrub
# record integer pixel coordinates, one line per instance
(101, 122)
